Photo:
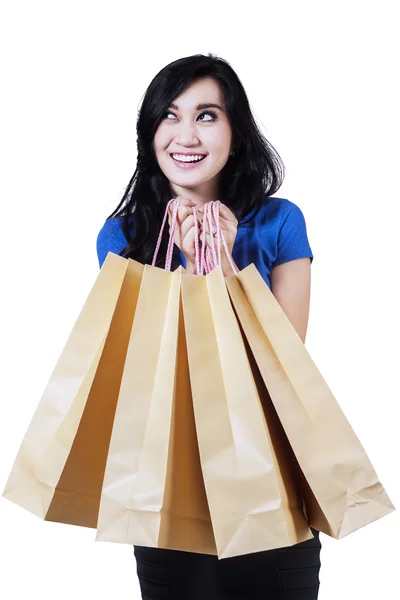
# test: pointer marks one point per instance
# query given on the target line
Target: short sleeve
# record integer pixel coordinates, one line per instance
(110, 239)
(292, 237)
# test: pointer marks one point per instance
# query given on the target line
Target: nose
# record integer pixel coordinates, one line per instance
(186, 134)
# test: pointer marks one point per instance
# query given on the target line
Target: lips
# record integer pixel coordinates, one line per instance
(188, 155)
(190, 164)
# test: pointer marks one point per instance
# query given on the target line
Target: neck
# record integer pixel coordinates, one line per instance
(200, 195)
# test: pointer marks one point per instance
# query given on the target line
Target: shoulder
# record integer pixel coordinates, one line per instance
(112, 226)
(280, 228)
(291, 231)
(274, 216)
(110, 238)
(278, 210)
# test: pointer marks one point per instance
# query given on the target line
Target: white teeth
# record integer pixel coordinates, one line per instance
(183, 158)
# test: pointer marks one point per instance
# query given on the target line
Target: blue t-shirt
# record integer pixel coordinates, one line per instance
(276, 235)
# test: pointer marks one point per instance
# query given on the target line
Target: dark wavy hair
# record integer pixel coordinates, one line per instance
(254, 172)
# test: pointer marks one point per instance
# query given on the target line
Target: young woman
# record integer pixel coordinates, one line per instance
(197, 139)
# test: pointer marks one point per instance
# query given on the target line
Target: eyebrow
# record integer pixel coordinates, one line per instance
(199, 106)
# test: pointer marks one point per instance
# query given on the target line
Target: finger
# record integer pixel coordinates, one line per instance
(187, 201)
(187, 227)
(183, 202)
(226, 216)
(171, 208)
(210, 217)
(226, 213)
(208, 239)
(200, 218)
(227, 225)
(183, 213)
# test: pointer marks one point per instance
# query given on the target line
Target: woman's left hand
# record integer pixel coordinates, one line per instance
(229, 225)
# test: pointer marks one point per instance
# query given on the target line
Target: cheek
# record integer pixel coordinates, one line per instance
(160, 140)
(156, 144)
(221, 140)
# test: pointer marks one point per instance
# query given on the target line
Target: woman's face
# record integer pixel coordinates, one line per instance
(190, 130)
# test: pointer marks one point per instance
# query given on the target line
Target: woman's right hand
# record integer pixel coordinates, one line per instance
(184, 231)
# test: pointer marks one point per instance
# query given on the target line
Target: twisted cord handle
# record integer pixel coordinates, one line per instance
(157, 249)
(206, 258)
(211, 256)
(221, 238)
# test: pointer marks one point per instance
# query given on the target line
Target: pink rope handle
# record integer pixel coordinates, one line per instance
(215, 210)
(207, 258)
(203, 246)
(211, 258)
(196, 242)
(176, 202)
(170, 249)
(210, 215)
(220, 234)
(209, 265)
(156, 251)
(209, 261)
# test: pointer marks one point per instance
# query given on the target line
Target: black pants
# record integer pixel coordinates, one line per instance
(290, 573)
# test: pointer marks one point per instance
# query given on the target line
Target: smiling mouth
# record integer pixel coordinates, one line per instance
(189, 160)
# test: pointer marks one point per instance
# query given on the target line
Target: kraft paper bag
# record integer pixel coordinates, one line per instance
(341, 489)
(59, 469)
(153, 491)
(253, 503)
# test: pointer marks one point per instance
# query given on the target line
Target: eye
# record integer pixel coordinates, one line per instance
(209, 113)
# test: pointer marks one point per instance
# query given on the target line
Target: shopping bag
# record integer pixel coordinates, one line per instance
(341, 489)
(153, 491)
(59, 469)
(253, 502)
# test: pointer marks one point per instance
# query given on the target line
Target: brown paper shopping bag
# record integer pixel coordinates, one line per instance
(59, 469)
(153, 491)
(341, 488)
(254, 505)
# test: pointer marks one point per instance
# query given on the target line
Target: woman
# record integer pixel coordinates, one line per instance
(197, 139)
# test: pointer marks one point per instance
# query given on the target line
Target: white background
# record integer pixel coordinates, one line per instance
(321, 79)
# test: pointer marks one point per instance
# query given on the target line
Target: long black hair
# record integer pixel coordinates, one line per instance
(254, 172)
